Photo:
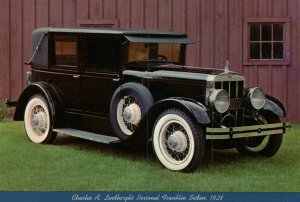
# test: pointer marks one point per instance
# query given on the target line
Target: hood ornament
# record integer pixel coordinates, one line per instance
(227, 65)
(226, 69)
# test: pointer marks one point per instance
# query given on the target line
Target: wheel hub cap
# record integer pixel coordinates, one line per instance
(39, 121)
(132, 114)
(177, 141)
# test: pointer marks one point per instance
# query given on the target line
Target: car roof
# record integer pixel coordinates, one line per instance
(134, 35)
(108, 31)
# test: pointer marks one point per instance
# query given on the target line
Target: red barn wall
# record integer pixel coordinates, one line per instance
(216, 27)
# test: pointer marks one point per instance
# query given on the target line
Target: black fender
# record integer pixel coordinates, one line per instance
(49, 92)
(275, 106)
(143, 134)
(196, 110)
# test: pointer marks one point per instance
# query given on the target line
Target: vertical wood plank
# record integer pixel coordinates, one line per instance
(151, 14)
(221, 33)
(292, 71)
(235, 33)
(278, 8)
(69, 13)
(42, 14)
(82, 9)
(263, 79)
(278, 81)
(123, 13)
(96, 8)
(265, 8)
(109, 9)
(250, 72)
(28, 26)
(16, 59)
(56, 13)
(179, 15)
(207, 33)
(193, 23)
(278, 73)
(4, 50)
(137, 14)
(264, 73)
(165, 15)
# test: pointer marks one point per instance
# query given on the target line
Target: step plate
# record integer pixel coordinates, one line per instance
(87, 135)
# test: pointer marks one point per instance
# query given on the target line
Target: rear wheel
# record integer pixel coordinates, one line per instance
(178, 141)
(129, 104)
(264, 146)
(37, 120)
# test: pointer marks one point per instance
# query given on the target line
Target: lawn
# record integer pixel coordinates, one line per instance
(72, 164)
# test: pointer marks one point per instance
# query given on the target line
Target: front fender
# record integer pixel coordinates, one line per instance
(46, 90)
(275, 106)
(195, 109)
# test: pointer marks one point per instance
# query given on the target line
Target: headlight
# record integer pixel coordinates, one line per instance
(220, 100)
(257, 98)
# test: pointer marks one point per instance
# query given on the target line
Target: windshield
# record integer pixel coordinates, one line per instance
(152, 51)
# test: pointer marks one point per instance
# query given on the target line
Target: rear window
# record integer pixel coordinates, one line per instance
(66, 50)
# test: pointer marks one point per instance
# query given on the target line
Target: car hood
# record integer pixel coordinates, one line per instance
(172, 71)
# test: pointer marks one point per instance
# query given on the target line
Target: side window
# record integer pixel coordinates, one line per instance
(103, 53)
(65, 50)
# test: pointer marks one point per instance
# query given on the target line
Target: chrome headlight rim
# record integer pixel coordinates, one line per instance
(257, 98)
(217, 96)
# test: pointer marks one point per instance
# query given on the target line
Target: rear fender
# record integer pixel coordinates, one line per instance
(45, 89)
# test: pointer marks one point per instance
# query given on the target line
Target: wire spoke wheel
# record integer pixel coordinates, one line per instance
(177, 141)
(128, 114)
(37, 121)
(129, 104)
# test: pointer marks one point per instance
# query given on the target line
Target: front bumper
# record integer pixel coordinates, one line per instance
(247, 131)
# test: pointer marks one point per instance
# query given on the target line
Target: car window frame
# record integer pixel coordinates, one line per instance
(52, 55)
(85, 56)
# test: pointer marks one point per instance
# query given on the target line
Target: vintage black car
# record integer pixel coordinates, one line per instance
(132, 86)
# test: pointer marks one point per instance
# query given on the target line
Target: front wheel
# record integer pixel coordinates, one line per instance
(37, 120)
(264, 146)
(178, 141)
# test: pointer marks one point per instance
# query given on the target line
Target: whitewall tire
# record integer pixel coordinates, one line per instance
(178, 142)
(38, 121)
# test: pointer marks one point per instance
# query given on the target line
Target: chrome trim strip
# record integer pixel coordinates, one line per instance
(247, 131)
(167, 74)
(231, 76)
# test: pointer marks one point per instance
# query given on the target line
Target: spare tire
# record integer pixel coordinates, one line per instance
(129, 104)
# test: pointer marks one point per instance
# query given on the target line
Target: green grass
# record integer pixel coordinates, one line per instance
(72, 164)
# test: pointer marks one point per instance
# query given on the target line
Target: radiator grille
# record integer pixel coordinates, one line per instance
(235, 90)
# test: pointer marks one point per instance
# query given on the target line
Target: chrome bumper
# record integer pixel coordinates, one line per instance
(247, 131)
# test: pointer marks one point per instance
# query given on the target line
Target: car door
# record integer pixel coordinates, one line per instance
(64, 69)
(100, 78)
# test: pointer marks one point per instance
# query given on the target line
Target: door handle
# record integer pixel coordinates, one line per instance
(76, 76)
(116, 79)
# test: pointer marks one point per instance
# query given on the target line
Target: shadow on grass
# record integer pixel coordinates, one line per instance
(212, 157)
(131, 153)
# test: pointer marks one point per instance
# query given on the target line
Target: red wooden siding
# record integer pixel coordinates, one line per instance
(216, 27)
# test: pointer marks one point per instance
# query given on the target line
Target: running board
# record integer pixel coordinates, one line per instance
(87, 135)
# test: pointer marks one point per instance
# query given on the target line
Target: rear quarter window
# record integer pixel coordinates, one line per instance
(66, 50)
